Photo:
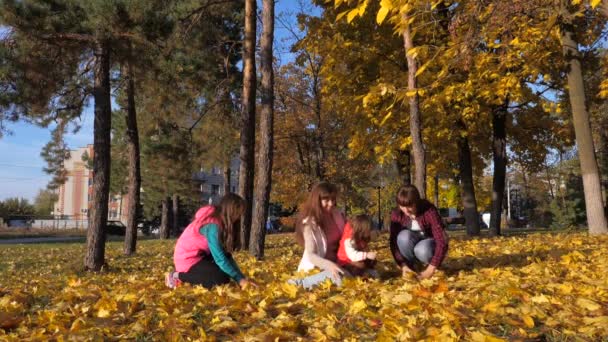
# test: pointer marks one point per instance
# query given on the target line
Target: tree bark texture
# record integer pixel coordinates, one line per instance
(96, 233)
(499, 154)
(247, 151)
(415, 116)
(164, 219)
(133, 189)
(264, 162)
(596, 217)
(467, 187)
(227, 179)
(175, 215)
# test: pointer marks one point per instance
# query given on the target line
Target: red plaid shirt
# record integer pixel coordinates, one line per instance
(432, 226)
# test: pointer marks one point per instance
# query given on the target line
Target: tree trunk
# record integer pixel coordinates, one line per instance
(499, 151)
(319, 137)
(133, 190)
(404, 166)
(164, 219)
(415, 116)
(227, 172)
(467, 187)
(596, 218)
(603, 148)
(96, 234)
(247, 152)
(264, 162)
(175, 215)
(548, 177)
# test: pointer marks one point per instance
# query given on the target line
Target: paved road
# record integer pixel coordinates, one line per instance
(42, 240)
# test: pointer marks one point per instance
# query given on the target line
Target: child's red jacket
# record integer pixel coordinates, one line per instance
(349, 251)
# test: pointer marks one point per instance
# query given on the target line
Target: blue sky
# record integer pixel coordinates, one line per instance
(21, 167)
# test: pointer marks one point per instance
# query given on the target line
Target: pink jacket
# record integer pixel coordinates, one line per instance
(191, 245)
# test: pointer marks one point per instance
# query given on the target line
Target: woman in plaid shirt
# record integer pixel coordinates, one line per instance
(417, 233)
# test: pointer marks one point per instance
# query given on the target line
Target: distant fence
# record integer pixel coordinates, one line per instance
(60, 224)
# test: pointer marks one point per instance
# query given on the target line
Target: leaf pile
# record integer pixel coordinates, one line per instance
(540, 286)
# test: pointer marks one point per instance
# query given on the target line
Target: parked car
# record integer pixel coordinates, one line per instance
(116, 228)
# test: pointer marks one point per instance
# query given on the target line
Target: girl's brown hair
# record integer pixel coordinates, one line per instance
(229, 211)
(408, 196)
(362, 226)
(311, 208)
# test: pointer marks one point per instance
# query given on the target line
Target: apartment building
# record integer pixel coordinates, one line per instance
(211, 182)
(74, 196)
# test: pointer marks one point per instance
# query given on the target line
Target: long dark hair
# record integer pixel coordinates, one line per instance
(229, 212)
(311, 208)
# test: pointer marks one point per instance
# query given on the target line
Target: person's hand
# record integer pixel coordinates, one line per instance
(406, 272)
(244, 283)
(371, 255)
(427, 273)
(336, 271)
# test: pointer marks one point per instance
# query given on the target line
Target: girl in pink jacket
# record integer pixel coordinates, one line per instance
(202, 253)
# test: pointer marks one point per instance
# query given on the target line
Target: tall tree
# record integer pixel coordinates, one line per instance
(247, 151)
(418, 151)
(499, 149)
(134, 186)
(263, 172)
(96, 237)
(596, 218)
(467, 185)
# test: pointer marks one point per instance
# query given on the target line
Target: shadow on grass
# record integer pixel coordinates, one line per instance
(453, 266)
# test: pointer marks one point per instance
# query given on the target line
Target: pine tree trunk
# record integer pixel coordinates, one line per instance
(415, 116)
(96, 234)
(175, 215)
(227, 179)
(164, 219)
(404, 166)
(467, 187)
(596, 218)
(499, 151)
(264, 162)
(134, 165)
(247, 152)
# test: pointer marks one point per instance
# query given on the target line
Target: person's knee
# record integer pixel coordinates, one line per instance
(424, 251)
(405, 238)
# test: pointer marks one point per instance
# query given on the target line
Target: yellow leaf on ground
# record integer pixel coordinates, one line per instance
(484, 336)
(587, 304)
(103, 313)
(290, 290)
(491, 307)
(528, 321)
(357, 307)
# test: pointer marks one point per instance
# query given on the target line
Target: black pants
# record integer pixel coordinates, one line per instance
(206, 273)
